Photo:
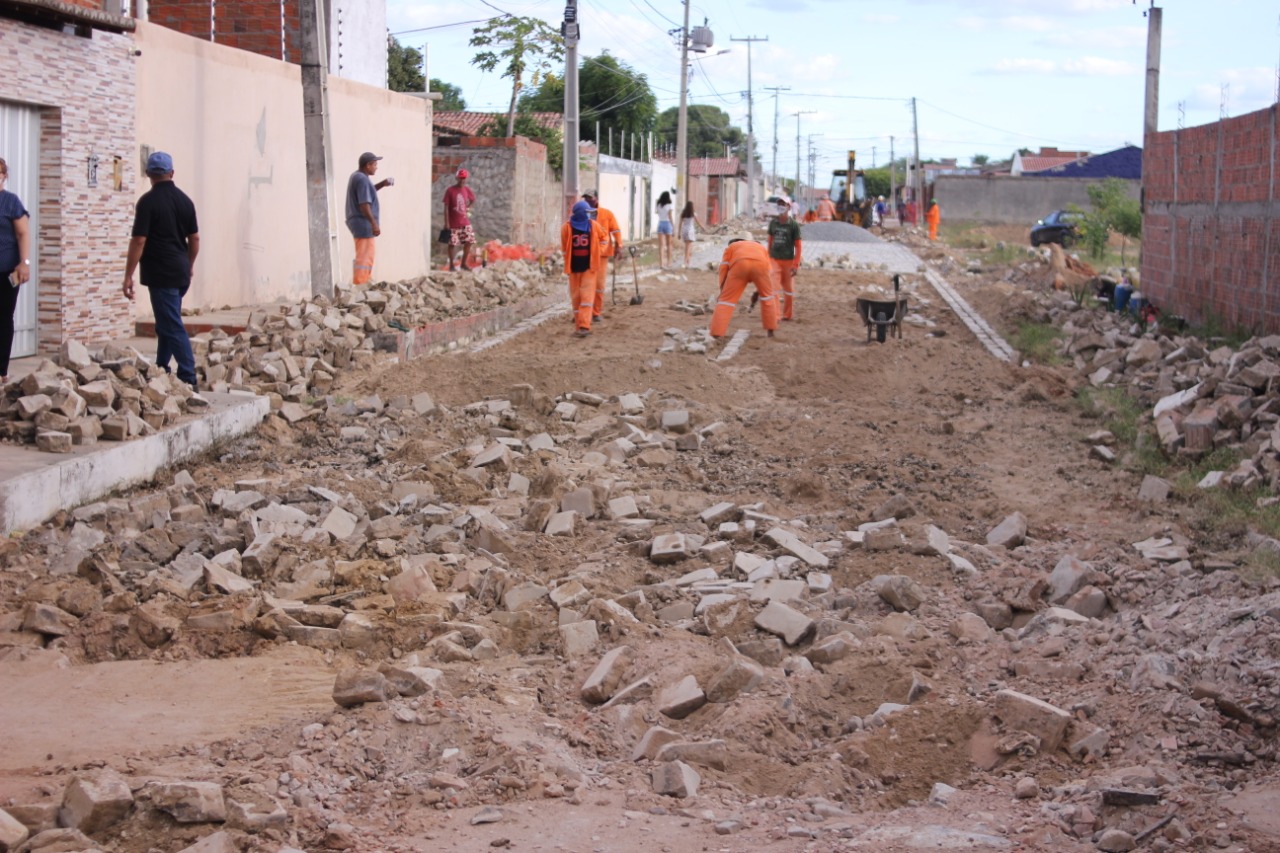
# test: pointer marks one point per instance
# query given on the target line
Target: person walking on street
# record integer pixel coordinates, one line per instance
(364, 216)
(580, 239)
(826, 209)
(665, 229)
(689, 226)
(15, 264)
(933, 216)
(165, 243)
(457, 218)
(744, 262)
(785, 256)
(611, 247)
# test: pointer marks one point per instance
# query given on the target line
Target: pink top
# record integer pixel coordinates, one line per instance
(456, 201)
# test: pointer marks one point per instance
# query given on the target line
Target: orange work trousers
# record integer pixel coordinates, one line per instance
(740, 275)
(933, 231)
(582, 297)
(362, 266)
(784, 284)
(602, 279)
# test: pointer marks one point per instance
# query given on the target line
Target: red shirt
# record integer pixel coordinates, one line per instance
(456, 201)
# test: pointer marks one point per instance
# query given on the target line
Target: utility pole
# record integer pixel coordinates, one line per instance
(682, 122)
(796, 194)
(893, 186)
(315, 124)
(1151, 106)
(813, 163)
(776, 91)
(917, 183)
(751, 143)
(569, 29)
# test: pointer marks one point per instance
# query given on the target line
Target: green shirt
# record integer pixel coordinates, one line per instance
(783, 237)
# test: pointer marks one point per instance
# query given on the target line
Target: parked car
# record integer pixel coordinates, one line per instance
(1061, 227)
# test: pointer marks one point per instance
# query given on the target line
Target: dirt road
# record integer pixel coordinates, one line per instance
(815, 432)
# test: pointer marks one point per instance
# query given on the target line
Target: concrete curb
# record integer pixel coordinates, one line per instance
(986, 335)
(53, 482)
(460, 331)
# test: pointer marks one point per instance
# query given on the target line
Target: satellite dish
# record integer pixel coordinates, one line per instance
(701, 39)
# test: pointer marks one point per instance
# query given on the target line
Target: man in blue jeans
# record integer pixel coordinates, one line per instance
(165, 242)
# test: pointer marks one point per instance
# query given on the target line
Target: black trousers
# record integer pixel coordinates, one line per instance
(8, 305)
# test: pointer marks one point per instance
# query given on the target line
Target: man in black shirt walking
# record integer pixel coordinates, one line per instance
(165, 242)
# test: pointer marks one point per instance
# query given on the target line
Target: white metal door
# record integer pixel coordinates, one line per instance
(20, 148)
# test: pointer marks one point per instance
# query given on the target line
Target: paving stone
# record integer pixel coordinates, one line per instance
(189, 802)
(569, 594)
(579, 638)
(668, 548)
(631, 404)
(1020, 712)
(623, 507)
(581, 501)
(48, 620)
(409, 680)
(898, 591)
(896, 507)
(706, 753)
(95, 800)
(653, 741)
(740, 675)
(412, 585)
(1067, 577)
(358, 686)
(562, 524)
(678, 612)
(833, 648)
(971, 628)
(681, 699)
(1154, 489)
(12, 832)
(607, 675)
(218, 842)
(1090, 602)
(675, 779)
(339, 523)
(523, 596)
(719, 514)
(789, 542)
(676, 421)
(882, 539)
(1009, 533)
(51, 441)
(779, 619)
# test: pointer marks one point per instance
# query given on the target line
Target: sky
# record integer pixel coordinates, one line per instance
(989, 76)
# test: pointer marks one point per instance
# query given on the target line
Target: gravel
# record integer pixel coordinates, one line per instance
(837, 232)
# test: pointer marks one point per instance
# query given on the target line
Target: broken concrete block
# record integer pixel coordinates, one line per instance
(219, 842)
(1090, 602)
(971, 628)
(833, 648)
(789, 542)
(189, 802)
(668, 548)
(675, 779)
(95, 800)
(741, 675)
(624, 507)
(719, 514)
(52, 441)
(681, 699)
(652, 742)
(569, 594)
(523, 596)
(1021, 712)
(677, 612)
(1154, 489)
(339, 523)
(898, 591)
(776, 589)
(562, 524)
(779, 619)
(579, 638)
(358, 686)
(496, 456)
(676, 421)
(1067, 577)
(413, 584)
(411, 680)
(707, 753)
(1009, 533)
(12, 832)
(48, 620)
(581, 501)
(607, 675)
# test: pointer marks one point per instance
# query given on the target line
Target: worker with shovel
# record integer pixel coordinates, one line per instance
(580, 239)
(745, 262)
(611, 247)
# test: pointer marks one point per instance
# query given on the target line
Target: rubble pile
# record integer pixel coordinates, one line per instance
(781, 672)
(292, 356)
(80, 399)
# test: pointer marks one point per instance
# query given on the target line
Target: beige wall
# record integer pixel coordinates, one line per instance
(233, 122)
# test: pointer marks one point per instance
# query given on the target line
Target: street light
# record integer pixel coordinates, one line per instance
(700, 41)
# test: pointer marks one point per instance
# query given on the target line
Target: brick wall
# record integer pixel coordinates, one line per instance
(84, 89)
(265, 27)
(1211, 237)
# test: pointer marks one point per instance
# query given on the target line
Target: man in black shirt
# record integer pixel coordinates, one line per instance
(165, 242)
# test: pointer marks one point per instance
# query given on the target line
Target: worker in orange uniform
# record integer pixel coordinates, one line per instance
(826, 209)
(933, 216)
(784, 256)
(580, 239)
(611, 247)
(745, 262)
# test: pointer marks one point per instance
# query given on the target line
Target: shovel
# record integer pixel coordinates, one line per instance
(635, 276)
(614, 293)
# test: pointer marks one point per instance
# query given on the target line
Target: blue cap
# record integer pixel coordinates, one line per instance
(159, 163)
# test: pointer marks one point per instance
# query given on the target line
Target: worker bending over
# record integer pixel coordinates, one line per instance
(580, 239)
(784, 254)
(745, 262)
(610, 247)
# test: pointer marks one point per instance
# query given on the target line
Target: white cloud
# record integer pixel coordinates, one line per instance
(1248, 89)
(1096, 66)
(1110, 38)
(1027, 23)
(1022, 66)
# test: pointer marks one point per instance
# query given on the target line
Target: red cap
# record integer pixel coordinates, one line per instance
(463, 173)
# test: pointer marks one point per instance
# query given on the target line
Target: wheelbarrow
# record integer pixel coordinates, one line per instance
(883, 316)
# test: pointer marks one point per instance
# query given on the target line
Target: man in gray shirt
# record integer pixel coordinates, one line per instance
(364, 214)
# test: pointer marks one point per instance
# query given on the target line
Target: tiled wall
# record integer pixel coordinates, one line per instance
(84, 88)
(1211, 235)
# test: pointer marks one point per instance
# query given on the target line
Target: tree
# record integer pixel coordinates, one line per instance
(1112, 210)
(519, 45)
(979, 160)
(709, 131)
(452, 100)
(877, 182)
(609, 92)
(404, 67)
(527, 126)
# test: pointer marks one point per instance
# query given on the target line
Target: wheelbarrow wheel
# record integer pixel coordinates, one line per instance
(882, 326)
